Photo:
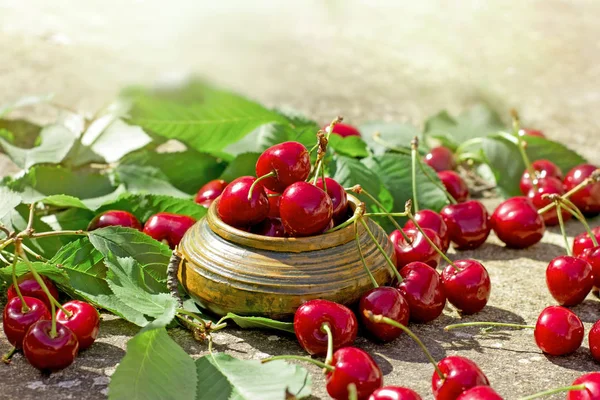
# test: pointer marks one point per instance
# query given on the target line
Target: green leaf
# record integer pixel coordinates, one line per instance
(143, 206)
(540, 148)
(351, 146)
(242, 165)
(8, 201)
(260, 323)
(48, 270)
(395, 134)
(146, 179)
(19, 132)
(71, 219)
(24, 102)
(64, 201)
(222, 377)
(129, 137)
(47, 247)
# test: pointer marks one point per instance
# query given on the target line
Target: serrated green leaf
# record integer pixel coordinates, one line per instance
(259, 323)
(48, 270)
(351, 146)
(129, 137)
(146, 179)
(8, 201)
(143, 206)
(395, 134)
(242, 165)
(64, 201)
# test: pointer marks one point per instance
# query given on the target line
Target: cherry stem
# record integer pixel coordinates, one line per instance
(323, 141)
(561, 223)
(274, 194)
(379, 319)
(572, 208)
(377, 139)
(318, 363)
(436, 182)
(490, 324)
(56, 233)
(521, 144)
(554, 391)
(593, 178)
(358, 212)
(33, 253)
(327, 329)
(192, 315)
(8, 356)
(269, 175)
(352, 392)
(362, 256)
(381, 250)
(24, 306)
(414, 144)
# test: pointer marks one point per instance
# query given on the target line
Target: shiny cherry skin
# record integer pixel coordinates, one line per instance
(169, 227)
(558, 331)
(289, 161)
(532, 132)
(31, 288)
(353, 365)
(16, 323)
(115, 218)
(394, 393)
(271, 227)
(209, 192)
(479, 393)
(84, 321)
(236, 210)
(273, 203)
(386, 301)
(591, 382)
(468, 224)
(569, 280)
(592, 256)
(469, 288)
(305, 209)
(338, 196)
(440, 159)
(418, 249)
(423, 290)
(594, 340)
(543, 169)
(517, 223)
(431, 220)
(583, 241)
(309, 319)
(549, 185)
(588, 198)
(455, 185)
(344, 130)
(460, 374)
(48, 353)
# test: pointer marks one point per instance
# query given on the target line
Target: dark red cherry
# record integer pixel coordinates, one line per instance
(168, 227)
(431, 220)
(274, 198)
(569, 280)
(235, 209)
(517, 223)
(309, 319)
(440, 159)
(305, 209)
(394, 393)
(583, 241)
(353, 365)
(532, 132)
(455, 185)
(289, 161)
(423, 290)
(16, 323)
(460, 374)
(418, 249)
(338, 196)
(549, 185)
(209, 192)
(31, 288)
(386, 301)
(48, 353)
(84, 321)
(588, 198)
(271, 227)
(468, 224)
(479, 393)
(591, 382)
(115, 218)
(592, 256)
(594, 340)
(343, 130)
(469, 288)
(543, 169)
(558, 331)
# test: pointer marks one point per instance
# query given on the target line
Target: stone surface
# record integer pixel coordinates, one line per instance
(399, 60)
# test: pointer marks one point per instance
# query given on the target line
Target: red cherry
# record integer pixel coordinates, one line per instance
(591, 382)
(386, 301)
(460, 374)
(423, 290)
(394, 393)
(84, 321)
(338, 196)
(431, 220)
(468, 224)
(50, 353)
(273, 203)
(569, 280)
(209, 192)
(16, 323)
(289, 161)
(353, 365)
(558, 331)
(592, 256)
(455, 185)
(168, 226)
(309, 319)
(31, 288)
(583, 241)
(440, 159)
(115, 218)
(548, 186)
(305, 209)
(588, 198)
(532, 132)
(343, 130)
(418, 249)
(479, 393)
(469, 288)
(235, 209)
(271, 227)
(517, 223)
(594, 340)
(543, 169)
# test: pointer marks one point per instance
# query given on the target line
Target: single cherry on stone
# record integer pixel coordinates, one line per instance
(479, 393)
(467, 285)
(459, 374)
(455, 185)
(339, 198)
(422, 288)
(305, 209)
(83, 321)
(48, 353)
(588, 198)
(394, 393)
(543, 169)
(115, 218)
(431, 220)
(440, 159)
(468, 224)
(416, 248)
(569, 279)
(210, 191)
(16, 322)
(548, 186)
(558, 331)
(31, 288)
(353, 366)
(283, 164)
(517, 223)
(236, 210)
(594, 340)
(386, 301)
(168, 227)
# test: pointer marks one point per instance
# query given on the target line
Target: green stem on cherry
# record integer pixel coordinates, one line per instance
(382, 251)
(6, 358)
(572, 208)
(327, 329)
(593, 178)
(274, 194)
(377, 139)
(56, 233)
(24, 306)
(380, 319)
(257, 180)
(561, 223)
(318, 363)
(414, 144)
(489, 324)
(33, 253)
(521, 144)
(359, 211)
(554, 391)
(362, 256)
(352, 392)
(436, 182)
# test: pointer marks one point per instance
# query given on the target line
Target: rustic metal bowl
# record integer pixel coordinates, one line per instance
(228, 270)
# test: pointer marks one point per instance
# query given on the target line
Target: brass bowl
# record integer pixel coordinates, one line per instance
(228, 270)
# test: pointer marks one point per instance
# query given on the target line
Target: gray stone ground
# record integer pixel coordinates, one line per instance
(399, 60)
